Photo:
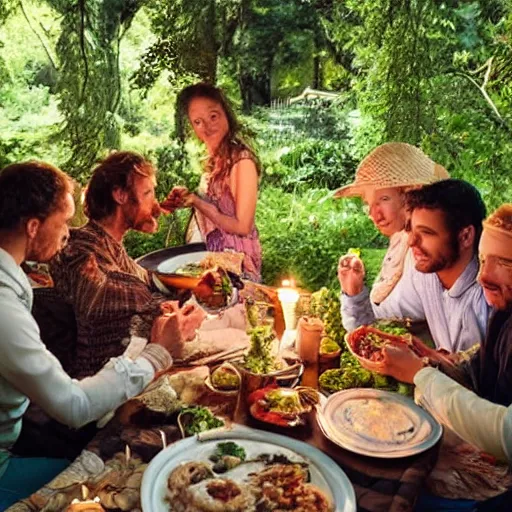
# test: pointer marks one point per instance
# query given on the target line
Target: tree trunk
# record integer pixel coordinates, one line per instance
(318, 79)
(255, 90)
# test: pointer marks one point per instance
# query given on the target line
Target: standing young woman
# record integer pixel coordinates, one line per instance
(226, 209)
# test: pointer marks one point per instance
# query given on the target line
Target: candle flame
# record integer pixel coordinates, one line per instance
(85, 492)
(128, 454)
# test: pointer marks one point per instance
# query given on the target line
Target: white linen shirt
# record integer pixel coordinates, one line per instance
(483, 424)
(457, 318)
(28, 371)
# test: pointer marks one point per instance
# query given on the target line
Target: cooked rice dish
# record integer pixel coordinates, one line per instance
(250, 487)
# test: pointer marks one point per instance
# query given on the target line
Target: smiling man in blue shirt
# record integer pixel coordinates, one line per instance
(444, 230)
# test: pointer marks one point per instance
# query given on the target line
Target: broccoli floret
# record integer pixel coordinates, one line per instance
(228, 448)
(380, 381)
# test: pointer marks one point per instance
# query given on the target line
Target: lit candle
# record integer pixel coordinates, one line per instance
(288, 297)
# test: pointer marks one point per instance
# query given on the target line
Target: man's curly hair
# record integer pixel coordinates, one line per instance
(460, 202)
(31, 189)
(502, 217)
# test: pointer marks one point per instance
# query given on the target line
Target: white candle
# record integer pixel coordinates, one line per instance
(288, 297)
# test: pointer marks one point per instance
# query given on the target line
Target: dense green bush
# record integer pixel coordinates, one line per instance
(317, 164)
(175, 167)
(304, 235)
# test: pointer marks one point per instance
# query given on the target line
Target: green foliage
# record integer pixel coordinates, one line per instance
(325, 304)
(299, 231)
(174, 169)
(434, 73)
(318, 164)
(88, 80)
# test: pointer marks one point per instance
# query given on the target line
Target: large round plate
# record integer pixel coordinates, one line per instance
(325, 473)
(165, 263)
(170, 265)
(377, 423)
(153, 260)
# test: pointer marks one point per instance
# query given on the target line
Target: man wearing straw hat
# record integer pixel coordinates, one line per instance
(481, 415)
(382, 179)
(446, 225)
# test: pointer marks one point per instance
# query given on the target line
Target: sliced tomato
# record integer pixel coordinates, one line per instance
(274, 418)
(260, 394)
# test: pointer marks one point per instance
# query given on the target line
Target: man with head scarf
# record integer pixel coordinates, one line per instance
(481, 412)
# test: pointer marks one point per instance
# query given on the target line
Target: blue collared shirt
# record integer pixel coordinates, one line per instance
(457, 318)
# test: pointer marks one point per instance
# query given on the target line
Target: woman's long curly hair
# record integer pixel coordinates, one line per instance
(219, 164)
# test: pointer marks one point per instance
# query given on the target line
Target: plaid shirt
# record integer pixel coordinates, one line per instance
(110, 295)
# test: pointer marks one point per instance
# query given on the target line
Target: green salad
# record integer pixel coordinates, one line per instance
(228, 448)
(225, 379)
(283, 401)
(259, 359)
(396, 327)
(328, 346)
(352, 375)
(201, 419)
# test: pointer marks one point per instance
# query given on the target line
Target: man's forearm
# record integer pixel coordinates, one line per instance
(474, 419)
(356, 310)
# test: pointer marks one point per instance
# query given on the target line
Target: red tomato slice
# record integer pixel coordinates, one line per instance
(260, 394)
(268, 416)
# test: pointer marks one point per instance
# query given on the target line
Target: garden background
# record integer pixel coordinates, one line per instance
(81, 77)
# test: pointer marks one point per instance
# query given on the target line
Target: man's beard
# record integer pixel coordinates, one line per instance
(441, 262)
(137, 220)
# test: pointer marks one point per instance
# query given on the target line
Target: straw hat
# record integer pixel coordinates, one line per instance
(394, 164)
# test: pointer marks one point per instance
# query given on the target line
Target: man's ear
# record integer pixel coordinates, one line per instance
(467, 237)
(120, 195)
(32, 228)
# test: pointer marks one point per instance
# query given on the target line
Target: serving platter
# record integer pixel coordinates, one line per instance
(377, 423)
(153, 260)
(325, 473)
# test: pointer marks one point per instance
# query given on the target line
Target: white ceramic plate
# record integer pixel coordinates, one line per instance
(172, 264)
(401, 428)
(325, 473)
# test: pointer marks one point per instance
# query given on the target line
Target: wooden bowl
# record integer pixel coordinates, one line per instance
(226, 392)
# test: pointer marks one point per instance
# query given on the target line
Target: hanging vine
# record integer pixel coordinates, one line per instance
(89, 85)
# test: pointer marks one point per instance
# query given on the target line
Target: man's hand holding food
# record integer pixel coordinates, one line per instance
(351, 274)
(176, 325)
(400, 362)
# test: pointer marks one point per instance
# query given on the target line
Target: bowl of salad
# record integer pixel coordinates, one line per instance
(224, 379)
(329, 349)
(195, 419)
(284, 407)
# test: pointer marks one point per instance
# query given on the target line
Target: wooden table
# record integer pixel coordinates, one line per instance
(380, 484)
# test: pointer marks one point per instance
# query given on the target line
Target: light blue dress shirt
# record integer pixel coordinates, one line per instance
(457, 318)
